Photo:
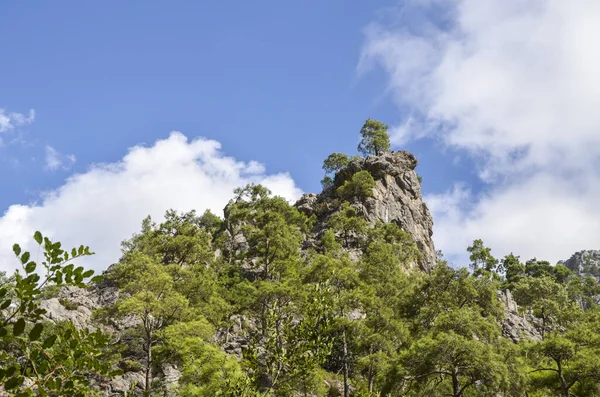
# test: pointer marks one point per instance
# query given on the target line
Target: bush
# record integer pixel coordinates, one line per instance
(360, 185)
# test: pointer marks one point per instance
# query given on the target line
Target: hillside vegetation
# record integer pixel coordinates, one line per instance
(275, 299)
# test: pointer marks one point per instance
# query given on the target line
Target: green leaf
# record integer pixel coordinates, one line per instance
(30, 267)
(3, 292)
(97, 279)
(3, 332)
(88, 273)
(38, 237)
(17, 249)
(13, 383)
(19, 327)
(35, 333)
(49, 342)
(25, 257)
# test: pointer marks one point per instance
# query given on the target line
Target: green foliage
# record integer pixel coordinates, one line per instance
(206, 369)
(348, 225)
(335, 162)
(348, 314)
(152, 297)
(41, 358)
(359, 186)
(375, 139)
(482, 261)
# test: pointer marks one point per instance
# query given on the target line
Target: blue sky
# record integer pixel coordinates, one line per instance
(272, 81)
(284, 84)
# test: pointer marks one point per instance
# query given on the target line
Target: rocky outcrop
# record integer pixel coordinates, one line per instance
(56, 312)
(584, 263)
(396, 198)
(76, 305)
(516, 325)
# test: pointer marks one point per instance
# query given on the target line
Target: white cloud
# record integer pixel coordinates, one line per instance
(516, 84)
(106, 204)
(10, 120)
(54, 160)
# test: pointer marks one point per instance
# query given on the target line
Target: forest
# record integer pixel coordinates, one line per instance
(269, 300)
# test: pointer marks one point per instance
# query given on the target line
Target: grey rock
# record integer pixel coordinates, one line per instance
(517, 326)
(129, 382)
(584, 263)
(170, 379)
(56, 312)
(396, 198)
(306, 203)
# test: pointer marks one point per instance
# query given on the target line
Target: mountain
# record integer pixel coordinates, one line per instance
(340, 293)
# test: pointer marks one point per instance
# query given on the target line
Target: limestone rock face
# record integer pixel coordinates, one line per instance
(584, 263)
(396, 198)
(55, 312)
(517, 326)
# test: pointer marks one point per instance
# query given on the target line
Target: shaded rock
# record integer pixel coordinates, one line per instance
(516, 326)
(125, 385)
(170, 379)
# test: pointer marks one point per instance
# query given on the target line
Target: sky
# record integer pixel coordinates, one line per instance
(111, 111)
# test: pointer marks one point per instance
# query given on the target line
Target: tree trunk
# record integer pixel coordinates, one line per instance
(563, 382)
(371, 378)
(455, 384)
(148, 366)
(346, 370)
(543, 323)
(371, 375)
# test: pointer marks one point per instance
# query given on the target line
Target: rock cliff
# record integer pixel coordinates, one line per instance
(396, 198)
(584, 263)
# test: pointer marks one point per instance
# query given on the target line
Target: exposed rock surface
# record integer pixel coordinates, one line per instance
(55, 312)
(76, 305)
(517, 326)
(584, 263)
(396, 198)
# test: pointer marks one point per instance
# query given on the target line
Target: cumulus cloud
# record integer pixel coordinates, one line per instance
(54, 160)
(517, 85)
(106, 204)
(10, 120)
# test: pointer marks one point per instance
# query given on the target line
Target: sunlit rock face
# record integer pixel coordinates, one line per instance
(396, 198)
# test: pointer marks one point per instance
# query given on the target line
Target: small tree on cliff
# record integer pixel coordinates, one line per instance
(375, 139)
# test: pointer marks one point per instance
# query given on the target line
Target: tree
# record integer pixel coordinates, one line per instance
(513, 270)
(335, 269)
(547, 299)
(335, 162)
(270, 228)
(359, 186)
(54, 359)
(458, 354)
(348, 225)
(206, 370)
(568, 363)
(375, 139)
(456, 344)
(482, 261)
(151, 296)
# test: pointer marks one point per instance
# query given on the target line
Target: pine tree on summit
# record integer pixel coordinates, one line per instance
(375, 139)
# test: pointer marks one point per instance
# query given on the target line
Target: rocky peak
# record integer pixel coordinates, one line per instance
(584, 263)
(396, 198)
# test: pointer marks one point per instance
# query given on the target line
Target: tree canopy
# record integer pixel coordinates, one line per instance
(375, 139)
